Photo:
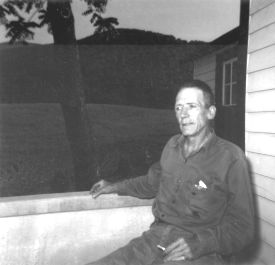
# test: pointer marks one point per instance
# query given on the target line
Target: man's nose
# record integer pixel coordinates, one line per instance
(184, 112)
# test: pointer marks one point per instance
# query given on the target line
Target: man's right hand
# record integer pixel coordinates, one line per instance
(102, 187)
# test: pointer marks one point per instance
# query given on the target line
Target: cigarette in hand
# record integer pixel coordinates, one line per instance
(161, 248)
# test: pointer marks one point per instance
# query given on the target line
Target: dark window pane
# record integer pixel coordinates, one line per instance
(227, 77)
(234, 93)
(226, 95)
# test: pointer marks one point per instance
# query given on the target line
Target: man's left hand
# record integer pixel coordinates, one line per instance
(178, 250)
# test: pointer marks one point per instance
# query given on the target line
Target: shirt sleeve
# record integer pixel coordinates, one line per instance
(236, 229)
(143, 187)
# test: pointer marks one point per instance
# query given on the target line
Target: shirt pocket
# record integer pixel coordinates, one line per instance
(206, 198)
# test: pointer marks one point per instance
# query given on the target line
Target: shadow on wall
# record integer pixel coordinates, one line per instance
(251, 252)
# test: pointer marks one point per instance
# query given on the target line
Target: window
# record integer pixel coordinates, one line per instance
(229, 85)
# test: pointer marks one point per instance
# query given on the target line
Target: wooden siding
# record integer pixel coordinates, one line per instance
(264, 186)
(260, 101)
(204, 69)
(256, 5)
(260, 120)
(256, 122)
(261, 143)
(261, 164)
(205, 64)
(266, 254)
(262, 17)
(262, 38)
(262, 59)
(261, 80)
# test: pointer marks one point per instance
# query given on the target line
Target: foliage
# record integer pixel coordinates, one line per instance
(97, 6)
(21, 16)
(20, 30)
(105, 25)
(102, 25)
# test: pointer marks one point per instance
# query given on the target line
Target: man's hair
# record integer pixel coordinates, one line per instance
(209, 97)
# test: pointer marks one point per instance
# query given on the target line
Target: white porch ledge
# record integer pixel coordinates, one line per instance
(64, 202)
(70, 228)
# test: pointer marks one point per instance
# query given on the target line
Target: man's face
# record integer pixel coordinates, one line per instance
(192, 114)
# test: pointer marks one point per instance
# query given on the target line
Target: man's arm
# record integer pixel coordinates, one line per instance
(143, 187)
(236, 229)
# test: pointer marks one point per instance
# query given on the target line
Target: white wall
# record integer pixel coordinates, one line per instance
(260, 119)
(68, 229)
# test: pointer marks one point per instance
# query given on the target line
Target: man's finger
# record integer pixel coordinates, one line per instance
(172, 246)
(178, 243)
(94, 187)
(95, 191)
(95, 195)
(175, 255)
(178, 259)
(178, 250)
(174, 251)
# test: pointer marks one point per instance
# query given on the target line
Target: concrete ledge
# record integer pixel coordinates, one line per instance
(64, 202)
(68, 228)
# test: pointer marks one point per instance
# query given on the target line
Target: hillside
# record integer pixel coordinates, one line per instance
(136, 67)
(132, 37)
(35, 156)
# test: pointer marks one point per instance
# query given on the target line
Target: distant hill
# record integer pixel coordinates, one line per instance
(134, 37)
(139, 67)
(7, 46)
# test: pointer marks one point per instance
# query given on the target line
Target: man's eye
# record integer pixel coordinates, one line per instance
(192, 106)
(187, 107)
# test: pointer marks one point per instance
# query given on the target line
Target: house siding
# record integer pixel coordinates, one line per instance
(260, 120)
(205, 70)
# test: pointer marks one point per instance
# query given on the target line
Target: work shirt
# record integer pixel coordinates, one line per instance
(207, 194)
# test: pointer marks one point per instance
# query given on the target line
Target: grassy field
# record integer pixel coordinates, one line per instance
(34, 152)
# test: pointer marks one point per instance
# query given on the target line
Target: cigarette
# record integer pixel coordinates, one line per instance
(161, 248)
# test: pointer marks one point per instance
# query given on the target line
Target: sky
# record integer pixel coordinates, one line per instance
(185, 19)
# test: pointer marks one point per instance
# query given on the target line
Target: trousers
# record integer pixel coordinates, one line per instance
(143, 250)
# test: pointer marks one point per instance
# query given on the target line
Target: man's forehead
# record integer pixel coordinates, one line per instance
(190, 95)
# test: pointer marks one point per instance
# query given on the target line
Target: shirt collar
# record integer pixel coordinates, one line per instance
(213, 138)
(211, 141)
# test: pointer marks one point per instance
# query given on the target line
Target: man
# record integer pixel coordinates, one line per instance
(203, 201)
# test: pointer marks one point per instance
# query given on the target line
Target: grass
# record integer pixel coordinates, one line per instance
(35, 156)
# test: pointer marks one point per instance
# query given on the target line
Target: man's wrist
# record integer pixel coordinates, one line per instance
(113, 187)
(120, 187)
(203, 243)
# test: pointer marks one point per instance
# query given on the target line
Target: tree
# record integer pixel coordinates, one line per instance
(105, 26)
(57, 14)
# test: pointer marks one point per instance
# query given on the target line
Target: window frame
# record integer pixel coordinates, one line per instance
(231, 82)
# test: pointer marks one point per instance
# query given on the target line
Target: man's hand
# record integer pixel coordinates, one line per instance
(178, 250)
(102, 187)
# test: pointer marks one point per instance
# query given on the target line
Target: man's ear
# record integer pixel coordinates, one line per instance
(211, 112)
